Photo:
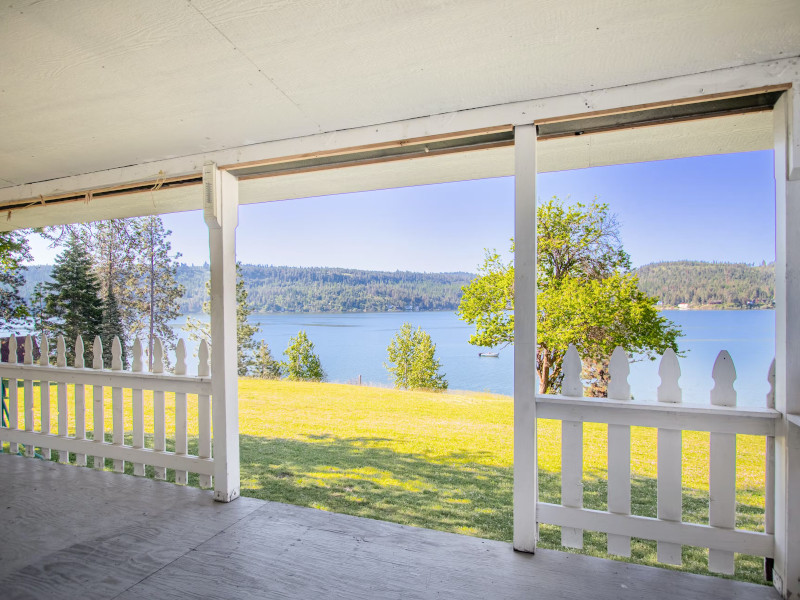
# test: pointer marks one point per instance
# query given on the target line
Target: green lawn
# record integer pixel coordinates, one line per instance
(444, 461)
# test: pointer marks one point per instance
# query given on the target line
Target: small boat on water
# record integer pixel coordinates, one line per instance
(489, 354)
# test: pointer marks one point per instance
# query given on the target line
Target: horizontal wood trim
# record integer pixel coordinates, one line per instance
(157, 382)
(675, 532)
(385, 159)
(650, 105)
(169, 460)
(682, 417)
(368, 147)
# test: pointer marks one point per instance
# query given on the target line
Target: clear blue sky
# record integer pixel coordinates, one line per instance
(707, 208)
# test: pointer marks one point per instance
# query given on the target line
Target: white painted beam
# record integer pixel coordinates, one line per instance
(665, 90)
(222, 223)
(526, 491)
(787, 357)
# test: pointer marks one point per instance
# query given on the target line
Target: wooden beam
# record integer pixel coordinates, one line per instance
(526, 490)
(221, 190)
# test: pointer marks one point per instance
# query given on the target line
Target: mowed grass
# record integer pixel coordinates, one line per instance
(443, 461)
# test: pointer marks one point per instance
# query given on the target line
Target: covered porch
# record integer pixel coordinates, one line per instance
(207, 106)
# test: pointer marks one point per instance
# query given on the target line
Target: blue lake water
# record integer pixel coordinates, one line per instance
(354, 344)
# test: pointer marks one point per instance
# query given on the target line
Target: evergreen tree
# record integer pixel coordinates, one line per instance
(72, 304)
(301, 363)
(247, 353)
(14, 251)
(264, 364)
(412, 360)
(112, 327)
(153, 286)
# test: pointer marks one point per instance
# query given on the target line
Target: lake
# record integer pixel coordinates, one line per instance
(353, 344)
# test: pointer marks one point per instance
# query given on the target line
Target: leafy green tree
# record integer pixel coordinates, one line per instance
(301, 363)
(112, 327)
(72, 304)
(14, 251)
(247, 354)
(587, 296)
(412, 360)
(152, 281)
(264, 364)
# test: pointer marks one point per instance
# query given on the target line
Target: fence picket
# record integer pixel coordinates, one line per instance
(13, 400)
(80, 402)
(769, 477)
(572, 449)
(27, 387)
(670, 496)
(117, 405)
(619, 452)
(204, 413)
(159, 426)
(61, 393)
(181, 442)
(722, 477)
(137, 406)
(44, 392)
(98, 402)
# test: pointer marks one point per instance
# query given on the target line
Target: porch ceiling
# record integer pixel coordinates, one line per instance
(87, 86)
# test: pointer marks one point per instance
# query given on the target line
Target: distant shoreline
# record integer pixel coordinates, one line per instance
(715, 307)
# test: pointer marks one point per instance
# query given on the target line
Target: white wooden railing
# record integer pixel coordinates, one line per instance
(99, 378)
(722, 418)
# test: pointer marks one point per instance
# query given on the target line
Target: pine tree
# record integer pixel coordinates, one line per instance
(72, 304)
(412, 360)
(264, 364)
(112, 327)
(14, 251)
(153, 285)
(247, 349)
(301, 363)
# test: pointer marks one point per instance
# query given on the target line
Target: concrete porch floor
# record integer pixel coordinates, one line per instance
(69, 532)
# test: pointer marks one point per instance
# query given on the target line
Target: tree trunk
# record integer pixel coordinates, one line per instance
(152, 297)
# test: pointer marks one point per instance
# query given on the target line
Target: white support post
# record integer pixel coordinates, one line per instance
(221, 206)
(525, 459)
(786, 574)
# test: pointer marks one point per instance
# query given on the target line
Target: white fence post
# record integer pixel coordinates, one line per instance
(526, 491)
(722, 468)
(13, 399)
(221, 202)
(61, 391)
(27, 386)
(117, 405)
(670, 496)
(204, 413)
(786, 120)
(80, 402)
(769, 475)
(619, 452)
(572, 449)
(98, 403)
(44, 392)
(181, 443)
(159, 424)
(137, 406)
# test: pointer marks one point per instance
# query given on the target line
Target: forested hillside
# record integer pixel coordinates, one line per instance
(315, 289)
(720, 285)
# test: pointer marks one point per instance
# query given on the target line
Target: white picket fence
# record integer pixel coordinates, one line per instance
(722, 418)
(98, 378)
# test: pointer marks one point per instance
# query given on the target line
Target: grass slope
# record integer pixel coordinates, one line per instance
(444, 461)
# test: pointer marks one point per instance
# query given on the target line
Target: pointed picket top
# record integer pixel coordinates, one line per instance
(136, 364)
(771, 380)
(12, 349)
(203, 369)
(97, 353)
(44, 351)
(618, 370)
(158, 356)
(79, 362)
(116, 354)
(723, 374)
(670, 371)
(27, 357)
(571, 385)
(180, 358)
(61, 351)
